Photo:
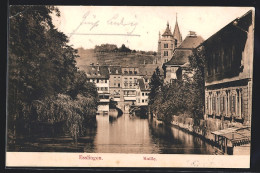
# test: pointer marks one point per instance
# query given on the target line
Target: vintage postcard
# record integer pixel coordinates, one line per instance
(129, 86)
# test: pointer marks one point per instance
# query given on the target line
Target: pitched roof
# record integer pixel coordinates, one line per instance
(98, 72)
(148, 69)
(191, 41)
(115, 70)
(180, 57)
(177, 33)
(182, 53)
(167, 31)
(242, 22)
(142, 85)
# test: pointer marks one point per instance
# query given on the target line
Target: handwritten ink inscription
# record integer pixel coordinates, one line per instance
(93, 22)
(120, 21)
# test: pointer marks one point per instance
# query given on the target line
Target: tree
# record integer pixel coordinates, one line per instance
(42, 71)
(155, 85)
(181, 97)
(123, 48)
(197, 64)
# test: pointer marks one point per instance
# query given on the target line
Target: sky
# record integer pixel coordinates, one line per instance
(138, 27)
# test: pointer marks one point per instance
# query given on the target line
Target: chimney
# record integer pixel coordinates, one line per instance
(192, 34)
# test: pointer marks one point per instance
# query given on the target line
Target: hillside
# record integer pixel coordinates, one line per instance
(88, 56)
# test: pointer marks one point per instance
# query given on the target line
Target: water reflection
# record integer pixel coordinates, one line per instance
(130, 134)
(120, 134)
(174, 141)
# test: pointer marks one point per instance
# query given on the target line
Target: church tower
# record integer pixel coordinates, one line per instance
(166, 45)
(168, 42)
(177, 35)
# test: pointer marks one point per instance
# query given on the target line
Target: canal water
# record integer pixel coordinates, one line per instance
(125, 134)
(129, 134)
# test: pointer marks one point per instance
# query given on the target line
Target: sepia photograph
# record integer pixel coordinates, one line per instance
(123, 86)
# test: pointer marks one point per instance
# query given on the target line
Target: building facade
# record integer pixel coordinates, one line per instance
(115, 84)
(229, 71)
(130, 75)
(142, 92)
(99, 75)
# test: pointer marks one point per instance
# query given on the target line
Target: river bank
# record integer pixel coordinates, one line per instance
(230, 138)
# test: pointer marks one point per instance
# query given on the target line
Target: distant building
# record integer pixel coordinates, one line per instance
(168, 42)
(100, 76)
(129, 85)
(229, 71)
(142, 92)
(175, 68)
(115, 84)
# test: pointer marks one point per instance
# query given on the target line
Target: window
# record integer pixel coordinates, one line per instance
(234, 104)
(114, 77)
(135, 72)
(146, 94)
(105, 81)
(119, 85)
(230, 104)
(97, 80)
(142, 100)
(142, 94)
(146, 80)
(213, 104)
(176, 42)
(165, 53)
(222, 105)
(130, 72)
(165, 45)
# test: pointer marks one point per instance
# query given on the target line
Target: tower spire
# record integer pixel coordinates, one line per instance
(176, 32)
